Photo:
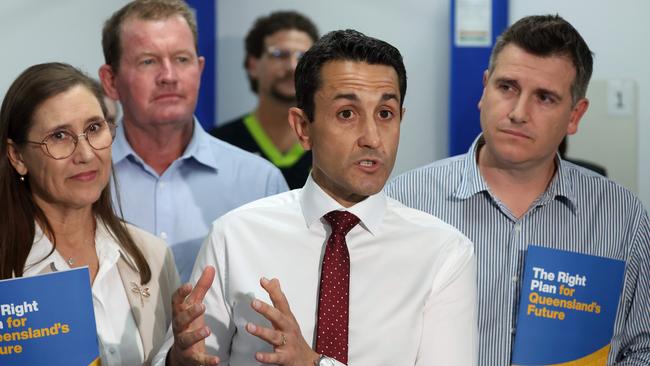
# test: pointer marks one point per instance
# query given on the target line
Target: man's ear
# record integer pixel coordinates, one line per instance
(15, 157)
(107, 77)
(301, 125)
(251, 67)
(201, 61)
(578, 111)
(486, 76)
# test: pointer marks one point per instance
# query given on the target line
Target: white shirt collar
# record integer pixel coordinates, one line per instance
(37, 259)
(39, 256)
(104, 240)
(315, 203)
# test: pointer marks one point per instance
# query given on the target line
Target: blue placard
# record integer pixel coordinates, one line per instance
(466, 66)
(567, 308)
(48, 320)
(206, 17)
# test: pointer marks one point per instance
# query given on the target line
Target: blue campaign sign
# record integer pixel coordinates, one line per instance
(206, 17)
(567, 308)
(468, 61)
(48, 320)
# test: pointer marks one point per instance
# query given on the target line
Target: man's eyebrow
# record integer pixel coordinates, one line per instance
(389, 96)
(538, 91)
(353, 97)
(504, 80)
(543, 91)
(146, 54)
(347, 96)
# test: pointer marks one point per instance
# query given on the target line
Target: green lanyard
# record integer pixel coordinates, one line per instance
(268, 148)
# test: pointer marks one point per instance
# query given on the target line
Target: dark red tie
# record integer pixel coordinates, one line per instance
(333, 298)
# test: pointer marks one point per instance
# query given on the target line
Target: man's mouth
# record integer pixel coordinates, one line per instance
(367, 163)
(515, 133)
(169, 96)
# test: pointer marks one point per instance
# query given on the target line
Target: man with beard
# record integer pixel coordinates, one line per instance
(273, 47)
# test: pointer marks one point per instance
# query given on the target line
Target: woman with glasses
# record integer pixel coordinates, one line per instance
(55, 165)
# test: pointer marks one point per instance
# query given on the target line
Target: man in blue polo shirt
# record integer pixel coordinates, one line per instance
(173, 178)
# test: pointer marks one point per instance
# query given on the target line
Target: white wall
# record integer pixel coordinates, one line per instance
(419, 29)
(36, 31)
(33, 31)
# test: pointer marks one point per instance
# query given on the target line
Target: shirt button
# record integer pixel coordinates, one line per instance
(161, 185)
(112, 350)
(513, 331)
(514, 278)
(517, 227)
(163, 235)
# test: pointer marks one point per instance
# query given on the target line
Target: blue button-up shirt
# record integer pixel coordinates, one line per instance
(208, 180)
(580, 211)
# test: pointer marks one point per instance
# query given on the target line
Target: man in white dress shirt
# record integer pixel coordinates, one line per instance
(405, 288)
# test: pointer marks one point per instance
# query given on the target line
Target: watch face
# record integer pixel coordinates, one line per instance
(326, 361)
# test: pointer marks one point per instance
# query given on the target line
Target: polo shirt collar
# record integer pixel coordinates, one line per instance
(315, 203)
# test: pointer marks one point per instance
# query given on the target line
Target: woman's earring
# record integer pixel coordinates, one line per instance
(22, 178)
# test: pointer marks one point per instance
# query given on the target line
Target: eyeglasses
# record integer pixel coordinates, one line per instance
(61, 144)
(284, 55)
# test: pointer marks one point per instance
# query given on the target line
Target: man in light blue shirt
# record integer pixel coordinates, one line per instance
(209, 179)
(173, 178)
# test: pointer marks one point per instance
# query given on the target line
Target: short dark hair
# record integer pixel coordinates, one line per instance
(343, 45)
(550, 35)
(26, 94)
(267, 25)
(146, 10)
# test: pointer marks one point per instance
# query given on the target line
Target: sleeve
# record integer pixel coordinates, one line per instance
(632, 345)
(169, 275)
(161, 356)
(173, 282)
(337, 363)
(218, 313)
(276, 182)
(449, 335)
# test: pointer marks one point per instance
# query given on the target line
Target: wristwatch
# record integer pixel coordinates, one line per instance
(324, 361)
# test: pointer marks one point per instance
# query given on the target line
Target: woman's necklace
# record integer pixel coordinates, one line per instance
(71, 260)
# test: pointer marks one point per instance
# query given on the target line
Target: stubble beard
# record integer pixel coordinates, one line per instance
(283, 97)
